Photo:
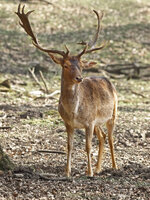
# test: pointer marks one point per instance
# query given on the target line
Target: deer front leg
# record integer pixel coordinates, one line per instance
(89, 135)
(70, 135)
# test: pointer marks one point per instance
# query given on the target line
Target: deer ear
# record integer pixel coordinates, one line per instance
(88, 64)
(55, 58)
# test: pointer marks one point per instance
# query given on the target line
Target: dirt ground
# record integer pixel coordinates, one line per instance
(30, 122)
(35, 125)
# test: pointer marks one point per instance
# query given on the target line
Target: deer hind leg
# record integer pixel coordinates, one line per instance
(70, 136)
(110, 127)
(89, 135)
(101, 137)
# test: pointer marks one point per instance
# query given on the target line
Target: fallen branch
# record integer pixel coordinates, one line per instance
(109, 75)
(135, 66)
(54, 179)
(34, 77)
(121, 70)
(53, 93)
(146, 43)
(6, 83)
(136, 93)
(120, 64)
(44, 1)
(47, 2)
(32, 71)
(20, 171)
(51, 151)
(49, 95)
(5, 127)
(4, 90)
(43, 79)
(133, 92)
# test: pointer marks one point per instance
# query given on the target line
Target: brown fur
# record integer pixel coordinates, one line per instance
(87, 104)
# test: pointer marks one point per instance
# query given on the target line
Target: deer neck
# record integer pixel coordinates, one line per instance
(69, 95)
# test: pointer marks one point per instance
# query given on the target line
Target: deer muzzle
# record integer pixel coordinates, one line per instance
(78, 79)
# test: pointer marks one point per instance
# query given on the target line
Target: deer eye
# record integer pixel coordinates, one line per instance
(66, 67)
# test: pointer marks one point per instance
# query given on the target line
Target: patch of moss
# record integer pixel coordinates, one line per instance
(5, 162)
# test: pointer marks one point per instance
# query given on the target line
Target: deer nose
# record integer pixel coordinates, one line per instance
(78, 79)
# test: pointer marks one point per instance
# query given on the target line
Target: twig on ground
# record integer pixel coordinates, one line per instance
(109, 75)
(136, 67)
(45, 89)
(133, 92)
(54, 179)
(54, 93)
(49, 95)
(47, 2)
(51, 151)
(43, 79)
(5, 127)
(136, 93)
(6, 83)
(34, 77)
(20, 171)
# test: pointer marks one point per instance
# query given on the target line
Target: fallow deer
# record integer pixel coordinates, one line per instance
(85, 103)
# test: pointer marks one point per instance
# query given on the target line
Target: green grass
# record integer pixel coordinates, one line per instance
(51, 119)
(125, 24)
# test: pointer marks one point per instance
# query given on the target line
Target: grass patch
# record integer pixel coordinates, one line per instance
(126, 24)
(51, 119)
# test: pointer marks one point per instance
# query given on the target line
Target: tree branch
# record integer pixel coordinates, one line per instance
(43, 79)
(34, 77)
(51, 151)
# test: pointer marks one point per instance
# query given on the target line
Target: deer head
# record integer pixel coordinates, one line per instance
(71, 65)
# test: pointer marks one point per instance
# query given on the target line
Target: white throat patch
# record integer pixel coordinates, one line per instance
(76, 106)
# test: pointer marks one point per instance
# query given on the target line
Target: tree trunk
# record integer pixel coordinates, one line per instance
(5, 163)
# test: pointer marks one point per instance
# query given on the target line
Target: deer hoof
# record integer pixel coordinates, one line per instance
(97, 171)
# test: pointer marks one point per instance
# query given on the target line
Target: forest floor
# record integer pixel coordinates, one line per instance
(30, 119)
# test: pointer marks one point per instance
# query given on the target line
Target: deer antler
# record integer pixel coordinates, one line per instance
(92, 43)
(83, 51)
(27, 27)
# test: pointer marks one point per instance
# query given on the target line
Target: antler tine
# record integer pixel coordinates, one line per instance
(67, 50)
(83, 51)
(25, 24)
(92, 43)
(103, 45)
